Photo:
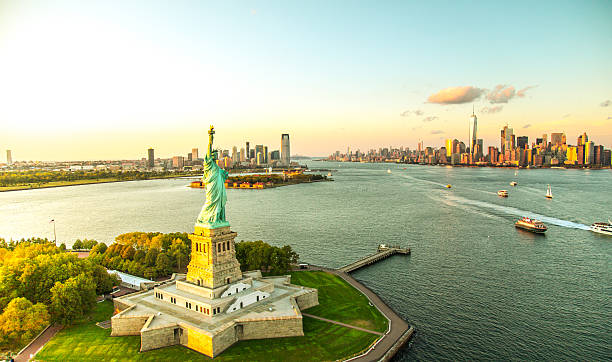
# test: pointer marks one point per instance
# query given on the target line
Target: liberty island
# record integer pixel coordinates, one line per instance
(214, 305)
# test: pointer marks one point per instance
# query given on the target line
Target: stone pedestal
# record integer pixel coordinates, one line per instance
(213, 258)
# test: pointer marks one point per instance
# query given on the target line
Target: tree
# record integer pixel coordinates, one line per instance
(21, 321)
(151, 257)
(128, 253)
(139, 256)
(71, 299)
(103, 280)
(62, 247)
(98, 249)
(164, 264)
(180, 252)
(77, 244)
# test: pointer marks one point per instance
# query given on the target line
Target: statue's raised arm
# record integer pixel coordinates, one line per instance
(213, 213)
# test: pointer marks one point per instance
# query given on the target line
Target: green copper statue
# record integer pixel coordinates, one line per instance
(213, 212)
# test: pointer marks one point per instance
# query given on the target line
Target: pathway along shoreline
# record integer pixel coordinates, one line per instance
(398, 333)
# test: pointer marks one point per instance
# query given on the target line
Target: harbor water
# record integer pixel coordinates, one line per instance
(475, 288)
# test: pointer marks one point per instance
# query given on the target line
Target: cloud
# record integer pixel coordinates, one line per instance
(430, 118)
(521, 93)
(456, 95)
(407, 113)
(609, 117)
(527, 125)
(605, 103)
(502, 93)
(437, 131)
(493, 109)
(566, 115)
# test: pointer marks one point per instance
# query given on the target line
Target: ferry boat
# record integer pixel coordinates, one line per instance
(602, 227)
(448, 186)
(535, 226)
(513, 183)
(549, 193)
(502, 193)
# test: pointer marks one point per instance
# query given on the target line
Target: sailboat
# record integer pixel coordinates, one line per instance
(549, 193)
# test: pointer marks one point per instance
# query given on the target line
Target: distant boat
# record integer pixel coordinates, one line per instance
(549, 193)
(329, 174)
(513, 183)
(535, 226)
(602, 227)
(448, 186)
(502, 193)
(516, 173)
(388, 171)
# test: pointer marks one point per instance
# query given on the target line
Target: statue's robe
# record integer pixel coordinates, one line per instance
(213, 212)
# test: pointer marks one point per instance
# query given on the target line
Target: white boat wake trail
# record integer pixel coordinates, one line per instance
(518, 212)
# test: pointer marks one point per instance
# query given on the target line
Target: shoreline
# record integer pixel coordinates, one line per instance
(477, 166)
(87, 182)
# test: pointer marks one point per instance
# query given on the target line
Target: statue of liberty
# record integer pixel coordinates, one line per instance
(213, 212)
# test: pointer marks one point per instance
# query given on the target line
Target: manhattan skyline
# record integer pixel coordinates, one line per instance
(107, 80)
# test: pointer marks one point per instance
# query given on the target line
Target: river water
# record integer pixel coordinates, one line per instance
(474, 286)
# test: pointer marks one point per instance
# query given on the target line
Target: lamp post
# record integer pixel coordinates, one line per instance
(54, 234)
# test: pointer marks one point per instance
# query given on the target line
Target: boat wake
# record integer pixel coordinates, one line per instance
(514, 211)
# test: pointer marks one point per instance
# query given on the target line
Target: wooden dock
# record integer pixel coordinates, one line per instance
(383, 252)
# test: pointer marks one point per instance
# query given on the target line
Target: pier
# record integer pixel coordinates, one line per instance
(383, 252)
(399, 332)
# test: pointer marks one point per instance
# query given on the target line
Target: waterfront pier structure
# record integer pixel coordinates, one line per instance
(384, 251)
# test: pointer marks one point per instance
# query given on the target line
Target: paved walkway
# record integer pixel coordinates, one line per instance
(38, 343)
(342, 324)
(399, 327)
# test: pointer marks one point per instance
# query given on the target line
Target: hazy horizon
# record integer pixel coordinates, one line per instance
(107, 80)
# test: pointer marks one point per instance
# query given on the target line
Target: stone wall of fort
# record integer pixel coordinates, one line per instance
(272, 328)
(158, 338)
(308, 299)
(127, 326)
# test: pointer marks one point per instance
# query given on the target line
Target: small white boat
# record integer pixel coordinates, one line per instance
(329, 174)
(513, 183)
(502, 193)
(549, 193)
(388, 171)
(602, 227)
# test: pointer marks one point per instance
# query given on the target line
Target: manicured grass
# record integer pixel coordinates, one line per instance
(339, 301)
(322, 341)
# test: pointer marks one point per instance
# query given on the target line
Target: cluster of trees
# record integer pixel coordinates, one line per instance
(258, 255)
(82, 244)
(41, 177)
(39, 283)
(147, 255)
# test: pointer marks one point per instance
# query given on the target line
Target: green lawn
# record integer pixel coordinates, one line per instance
(339, 301)
(322, 341)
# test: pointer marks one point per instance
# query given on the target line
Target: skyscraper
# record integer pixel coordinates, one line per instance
(248, 151)
(243, 155)
(557, 139)
(473, 132)
(259, 149)
(522, 141)
(235, 154)
(507, 139)
(449, 147)
(265, 153)
(9, 157)
(151, 159)
(194, 153)
(285, 150)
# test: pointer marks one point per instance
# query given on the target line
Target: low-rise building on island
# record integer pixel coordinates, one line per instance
(215, 304)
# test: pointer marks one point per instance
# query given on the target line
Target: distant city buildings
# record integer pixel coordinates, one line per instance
(9, 157)
(285, 150)
(513, 151)
(151, 159)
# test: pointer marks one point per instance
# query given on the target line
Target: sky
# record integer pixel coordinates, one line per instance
(90, 80)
